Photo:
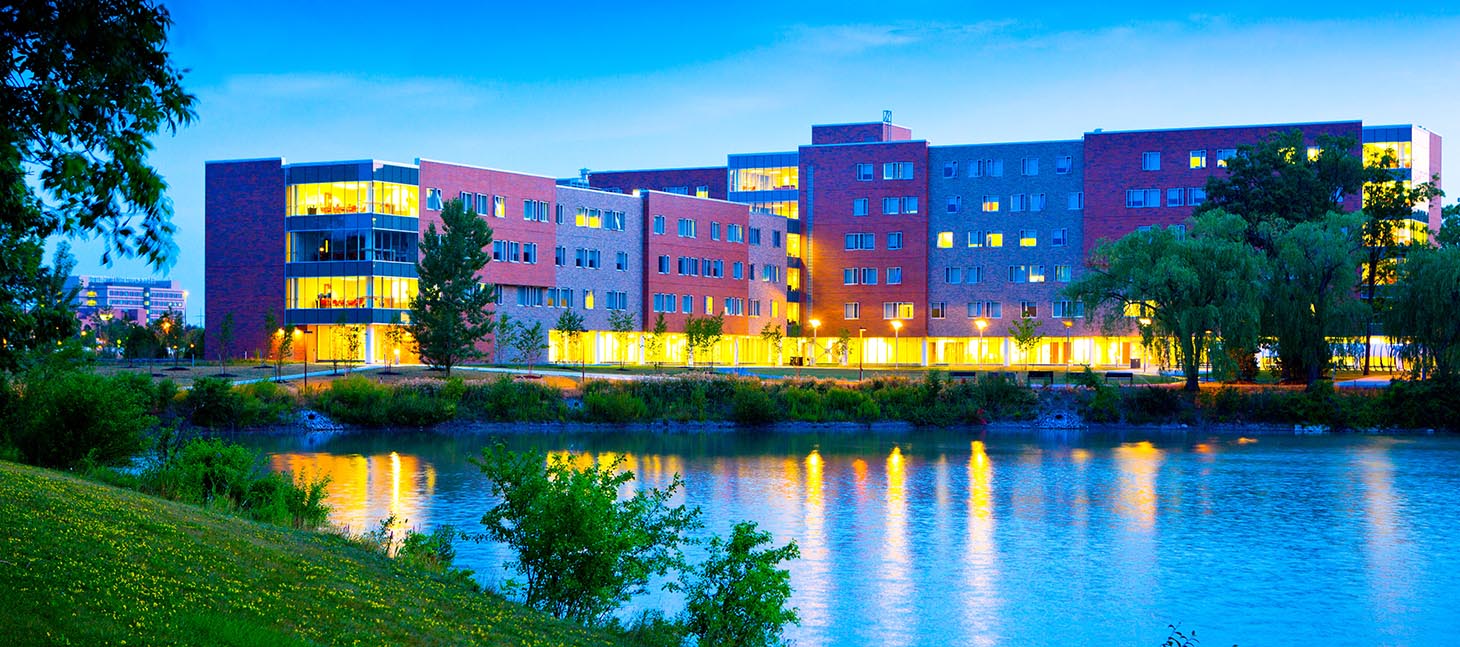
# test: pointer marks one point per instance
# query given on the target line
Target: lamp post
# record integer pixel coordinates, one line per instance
(861, 355)
(896, 337)
(1069, 348)
(300, 332)
(980, 324)
(815, 327)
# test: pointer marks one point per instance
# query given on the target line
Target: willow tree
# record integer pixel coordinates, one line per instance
(1389, 207)
(1313, 277)
(1423, 312)
(450, 313)
(1199, 289)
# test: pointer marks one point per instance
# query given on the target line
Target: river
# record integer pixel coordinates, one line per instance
(955, 538)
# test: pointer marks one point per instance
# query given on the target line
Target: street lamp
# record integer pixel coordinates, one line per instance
(980, 324)
(815, 326)
(1069, 349)
(299, 332)
(896, 337)
(861, 355)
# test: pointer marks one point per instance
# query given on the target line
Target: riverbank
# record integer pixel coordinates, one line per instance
(119, 567)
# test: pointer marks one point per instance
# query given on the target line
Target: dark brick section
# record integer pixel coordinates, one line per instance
(951, 181)
(1113, 165)
(876, 131)
(716, 178)
(829, 187)
(244, 250)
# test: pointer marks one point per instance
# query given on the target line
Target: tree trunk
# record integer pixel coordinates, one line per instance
(1369, 324)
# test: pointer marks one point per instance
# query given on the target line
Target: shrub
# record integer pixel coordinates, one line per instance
(230, 477)
(508, 400)
(738, 598)
(1151, 404)
(751, 405)
(63, 417)
(613, 406)
(212, 402)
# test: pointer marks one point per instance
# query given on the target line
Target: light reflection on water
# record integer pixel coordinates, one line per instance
(936, 539)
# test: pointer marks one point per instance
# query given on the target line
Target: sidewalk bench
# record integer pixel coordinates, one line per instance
(1047, 376)
(1121, 375)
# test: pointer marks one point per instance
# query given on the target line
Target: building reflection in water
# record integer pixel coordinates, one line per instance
(1387, 545)
(1139, 463)
(364, 490)
(814, 567)
(896, 588)
(981, 601)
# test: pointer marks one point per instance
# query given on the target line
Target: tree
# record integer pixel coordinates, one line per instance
(1196, 289)
(1025, 332)
(739, 596)
(450, 312)
(1449, 234)
(621, 324)
(529, 342)
(582, 551)
(353, 343)
(654, 343)
(225, 338)
(1310, 291)
(843, 344)
(1389, 203)
(702, 333)
(271, 330)
(86, 85)
(771, 333)
(502, 338)
(570, 326)
(398, 333)
(1423, 312)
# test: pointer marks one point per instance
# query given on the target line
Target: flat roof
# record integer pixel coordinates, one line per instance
(1228, 127)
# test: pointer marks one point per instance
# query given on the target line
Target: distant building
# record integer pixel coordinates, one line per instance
(127, 299)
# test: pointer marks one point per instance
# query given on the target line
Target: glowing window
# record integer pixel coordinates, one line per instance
(945, 240)
(1199, 158)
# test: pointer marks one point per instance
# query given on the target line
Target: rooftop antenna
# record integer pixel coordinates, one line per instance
(886, 116)
(583, 174)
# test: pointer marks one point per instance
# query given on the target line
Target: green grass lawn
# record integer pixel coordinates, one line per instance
(87, 564)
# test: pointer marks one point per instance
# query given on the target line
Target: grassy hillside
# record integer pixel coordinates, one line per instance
(86, 564)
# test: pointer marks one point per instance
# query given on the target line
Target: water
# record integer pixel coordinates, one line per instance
(945, 539)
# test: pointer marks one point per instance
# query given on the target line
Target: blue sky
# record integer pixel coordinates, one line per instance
(549, 88)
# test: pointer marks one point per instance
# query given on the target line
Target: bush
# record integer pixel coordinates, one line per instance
(229, 477)
(612, 406)
(61, 418)
(508, 400)
(1151, 404)
(358, 401)
(738, 598)
(212, 402)
(751, 405)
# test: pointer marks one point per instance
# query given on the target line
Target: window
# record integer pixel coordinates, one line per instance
(953, 275)
(897, 310)
(709, 305)
(1018, 202)
(988, 167)
(530, 296)
(1225, 154)
(894, 276)
(514, 251)
(499, 250)
(560, 256)
(755, 307)
(433, 199)
(1036, 202)
(714, 231)
(483, 203)
(1196, 195)
(499, 206)
(1142, 198)
(686, 228)
(891, 205)
(560, 214)
(859, 207)
(950, 169)
(1076, 201)
(1067, 310)
(659, 225)
(861, 241)
(954, 203)
(529, 253)
(945, 240)
(664, 264)
(910, 204)
(864, 172)
(852, 310)
(1063, 164)
(775, 239)
(993, 239)
(1029, 166)
(869, 276)
(1199, 158)
(537, 211)
(737, 271)
(1173, 197)
(1028, 238)
(937, 309)
(1062, 273)
(755, 235)
(588, 300)
(735, 233)
(985, 310)
(990, 203)
(1026, 273)
(1028, 309)
(702, 191)
(1151, 161)
(689, 304)
(973, 275)
(621, 261)
(851, 276)
(894, 240)
(897, 171)
(1057, 238)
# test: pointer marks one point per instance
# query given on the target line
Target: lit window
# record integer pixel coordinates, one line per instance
(433, 199)
(994, 239)
(1028, 238)
(588, 299)
(990, 203)
(945, 240)
(937, 309)
(1225, 154)
(1199, 158)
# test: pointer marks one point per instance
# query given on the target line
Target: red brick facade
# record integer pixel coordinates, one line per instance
(714, 178)
(244, 250)
(858, 133)
(704, 213)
